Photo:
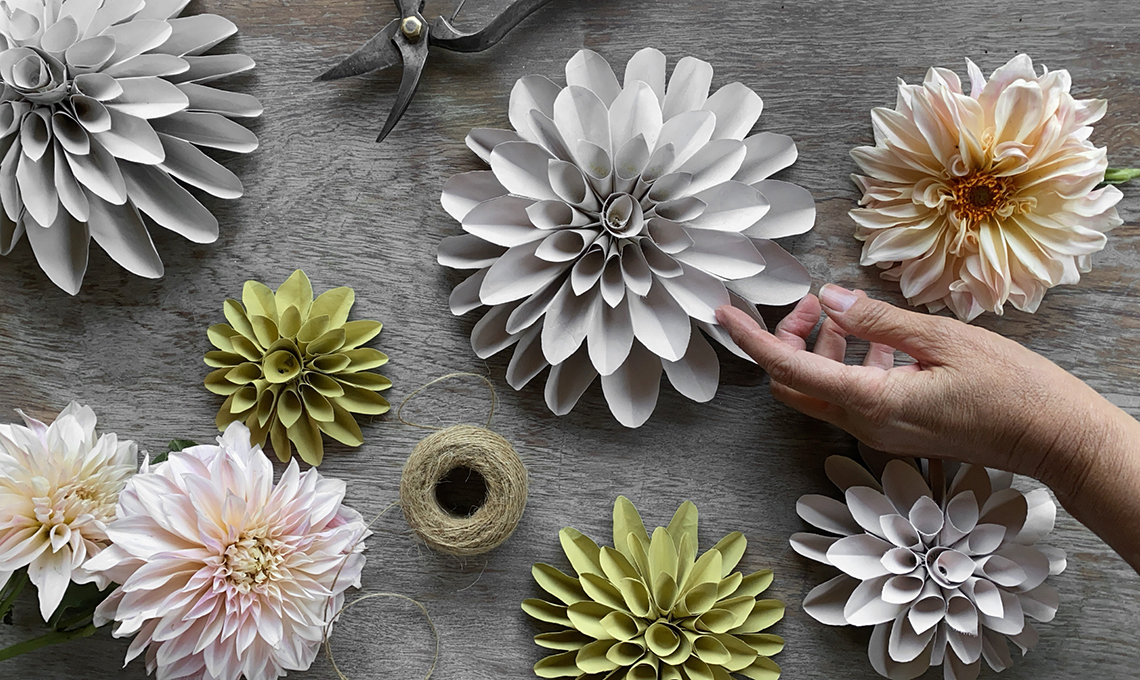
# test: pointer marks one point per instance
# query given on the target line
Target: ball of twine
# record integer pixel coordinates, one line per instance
(477, 449)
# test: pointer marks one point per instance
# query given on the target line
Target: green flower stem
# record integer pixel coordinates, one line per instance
(1120, 175)
(12, 590)
(52, 638)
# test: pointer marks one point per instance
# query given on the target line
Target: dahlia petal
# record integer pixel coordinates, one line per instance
(660, 323)
(659, 262)
(1041, 603)
(631, 391)
(194, 35)
(566, 323)
(687, 133)
(688, 87)
(783, 281)
(845, 473)
(868, 507)
(36, 180)
(148, 65)
(10, 233)
(503, 221)
(648, 66)
(714, 163)
(530, 93)
(581, 115)
(534, 307)
(131, 139)
(90, 53)
(587, 270)
(813, 546)
(483, 140)
(791, 210)
(905, 644)
(589, 70)
(71, 195)
(465, 296)
(635, 270)
(108, 14)
(527, 360)
(827, 514)
(859, 556)
(466, 190)
(168, 204)
(521, 167)
(468, 252)
(866, 606)
(567, 382)
(207, 129)
(698, 293)
(636, 111)
(187, 163)
(1041, 516)
(697, 374)
(766, 153)
(151, 97)
(135, 37)
(610, 337)
(120, 231)
(516, 274)
(50, 572)
(210, 67)
(825, 602)
(733, 207)
(737, 108)
(1018, 112)
(61, 250)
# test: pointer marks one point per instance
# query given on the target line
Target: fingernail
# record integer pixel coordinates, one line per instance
(836, 298)
(721, 314)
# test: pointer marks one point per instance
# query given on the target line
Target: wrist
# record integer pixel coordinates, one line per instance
(1094, 452)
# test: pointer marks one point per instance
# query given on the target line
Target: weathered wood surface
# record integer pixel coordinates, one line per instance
(320, 195)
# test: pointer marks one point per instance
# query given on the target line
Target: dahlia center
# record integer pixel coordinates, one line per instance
(979, 196)
(622, 216)
(281, 366)
(253, 561)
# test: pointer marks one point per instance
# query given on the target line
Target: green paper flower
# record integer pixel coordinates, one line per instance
(293, 367)
(652, 609)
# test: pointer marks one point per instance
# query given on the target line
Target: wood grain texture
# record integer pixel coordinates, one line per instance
(321, 196)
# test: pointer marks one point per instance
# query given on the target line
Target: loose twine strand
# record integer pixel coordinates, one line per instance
(327, 637)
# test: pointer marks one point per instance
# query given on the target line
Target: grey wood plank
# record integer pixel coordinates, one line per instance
(321, 196)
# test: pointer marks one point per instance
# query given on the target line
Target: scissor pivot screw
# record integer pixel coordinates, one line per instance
(412, 28)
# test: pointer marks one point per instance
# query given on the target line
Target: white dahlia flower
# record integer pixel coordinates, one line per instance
(944, 582)
(103, 107)
(614, 220)
(58, 487)
(970, 201)
(223, 573)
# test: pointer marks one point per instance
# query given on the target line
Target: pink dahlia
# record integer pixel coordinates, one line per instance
(223, 573)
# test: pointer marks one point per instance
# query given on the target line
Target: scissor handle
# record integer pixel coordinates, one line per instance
(446, 36)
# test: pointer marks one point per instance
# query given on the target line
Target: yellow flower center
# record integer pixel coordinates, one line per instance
(979, 196)
(253, 561)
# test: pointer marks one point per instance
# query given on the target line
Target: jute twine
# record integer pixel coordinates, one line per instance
(457, 447)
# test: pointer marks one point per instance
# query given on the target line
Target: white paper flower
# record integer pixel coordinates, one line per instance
(58, 487)
(103, 107)
(223, 573)
(614, 220)
(975, 200)
(942, 582)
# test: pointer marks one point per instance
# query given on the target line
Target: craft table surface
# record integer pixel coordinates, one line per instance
(320, 195)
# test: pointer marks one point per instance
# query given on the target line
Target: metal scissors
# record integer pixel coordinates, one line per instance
(407, 38)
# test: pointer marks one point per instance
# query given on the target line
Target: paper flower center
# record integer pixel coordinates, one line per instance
(979, 196)
(281, 366)
(622, 216)
(948, 567)
(253, 561)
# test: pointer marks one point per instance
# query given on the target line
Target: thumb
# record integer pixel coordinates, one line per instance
(925, 337)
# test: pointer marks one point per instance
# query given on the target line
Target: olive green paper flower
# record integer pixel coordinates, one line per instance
(650, 608)
(292, 367)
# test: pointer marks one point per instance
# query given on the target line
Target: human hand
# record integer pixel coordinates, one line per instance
(971, 394)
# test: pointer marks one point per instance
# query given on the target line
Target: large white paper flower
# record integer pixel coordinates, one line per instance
(103, 107)
(974, 200)
(943, 582)
(614, 220)
(223, 573)
(58, 487)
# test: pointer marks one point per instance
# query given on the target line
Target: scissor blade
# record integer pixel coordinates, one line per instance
(414, 56)
(377, 53)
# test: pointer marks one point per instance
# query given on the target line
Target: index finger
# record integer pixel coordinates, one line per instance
(809, 373)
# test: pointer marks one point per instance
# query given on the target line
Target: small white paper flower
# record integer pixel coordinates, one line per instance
(614, 220)
(58, 487)
(223, 573)
(942, 583)
(972, 201)
(104, 106)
